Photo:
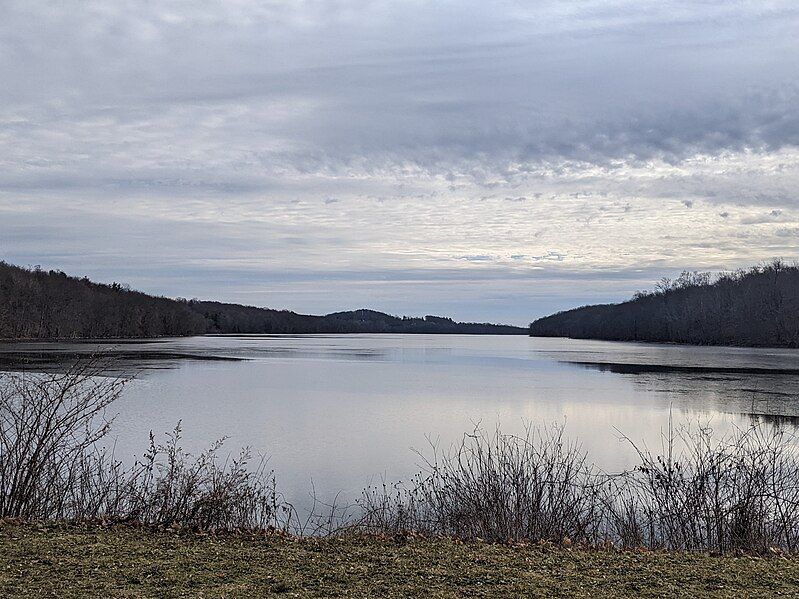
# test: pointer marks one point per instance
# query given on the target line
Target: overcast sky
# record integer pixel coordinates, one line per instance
(484, 160)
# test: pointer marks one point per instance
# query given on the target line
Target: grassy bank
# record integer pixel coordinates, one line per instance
(86, 561)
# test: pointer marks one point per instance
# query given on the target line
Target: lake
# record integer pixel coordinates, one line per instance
(340, 412)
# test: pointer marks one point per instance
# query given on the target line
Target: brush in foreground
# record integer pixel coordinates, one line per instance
(739, 493)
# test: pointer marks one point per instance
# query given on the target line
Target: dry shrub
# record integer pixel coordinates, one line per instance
(736, 493)
(498, 488)
(53, 467)
(739, 492)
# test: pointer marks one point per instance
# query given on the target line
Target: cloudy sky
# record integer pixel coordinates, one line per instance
(484, 160)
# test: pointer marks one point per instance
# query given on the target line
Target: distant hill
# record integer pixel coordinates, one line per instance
(755, 307)
(38, 304)
(234, 318)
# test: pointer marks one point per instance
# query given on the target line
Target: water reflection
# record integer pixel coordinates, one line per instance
(344, 410)
(791, 422)
(627, 368)
(760, 393)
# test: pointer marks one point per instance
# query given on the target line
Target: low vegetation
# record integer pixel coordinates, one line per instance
(53, 465)
(735, 494)
(755, 307)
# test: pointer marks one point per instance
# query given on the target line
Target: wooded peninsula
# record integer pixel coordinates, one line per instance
(49, 304)
(758, 307)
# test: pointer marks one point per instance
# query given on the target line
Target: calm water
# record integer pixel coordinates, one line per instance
(345, 411)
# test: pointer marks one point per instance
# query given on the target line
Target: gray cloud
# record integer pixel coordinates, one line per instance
(312, 87)
(359, 136)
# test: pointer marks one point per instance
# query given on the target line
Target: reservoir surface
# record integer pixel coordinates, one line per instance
(340, 412)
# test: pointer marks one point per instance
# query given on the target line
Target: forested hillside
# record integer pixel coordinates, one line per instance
(37, 304)
(755, 307)
(234, 318)
(41, 304)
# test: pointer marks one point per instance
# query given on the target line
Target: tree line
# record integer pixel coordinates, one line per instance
(49, 304)
(753, 307)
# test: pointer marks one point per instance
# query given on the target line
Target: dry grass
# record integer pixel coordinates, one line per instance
(92, 561)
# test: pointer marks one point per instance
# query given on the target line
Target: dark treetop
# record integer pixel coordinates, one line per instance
(755, 307)
(37, 304)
